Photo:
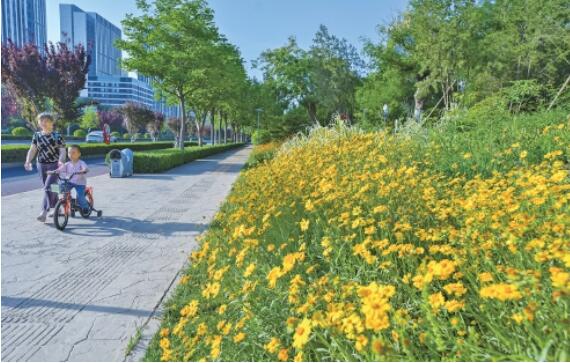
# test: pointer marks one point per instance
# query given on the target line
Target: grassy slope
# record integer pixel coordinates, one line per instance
(436, 220)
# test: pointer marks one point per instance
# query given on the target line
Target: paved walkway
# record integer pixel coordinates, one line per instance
(80, 295)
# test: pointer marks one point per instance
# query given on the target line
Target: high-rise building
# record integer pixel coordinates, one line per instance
(96, 34)
(24, 21)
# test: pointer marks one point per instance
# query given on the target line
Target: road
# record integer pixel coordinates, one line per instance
(15, 179)
(81, 294)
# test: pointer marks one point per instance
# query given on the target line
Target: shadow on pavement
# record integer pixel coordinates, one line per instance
(27, 303)
(108, 226)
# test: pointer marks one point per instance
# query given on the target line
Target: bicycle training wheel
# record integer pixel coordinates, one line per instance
(90, 202)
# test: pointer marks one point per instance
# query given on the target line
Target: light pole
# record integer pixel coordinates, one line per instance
(258, 110)
(386, 111)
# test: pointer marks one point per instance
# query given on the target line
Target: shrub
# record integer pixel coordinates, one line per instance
(146, 136)
(126, 136)
(260, 137)
(262, 153)
(79, 133)
(21, 131)
(11, 153)
(116, 134)
(161, 160)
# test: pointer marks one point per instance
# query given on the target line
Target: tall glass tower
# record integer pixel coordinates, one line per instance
(24, 21)
(96, 34)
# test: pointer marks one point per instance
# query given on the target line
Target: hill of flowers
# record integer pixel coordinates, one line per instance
(351, 246)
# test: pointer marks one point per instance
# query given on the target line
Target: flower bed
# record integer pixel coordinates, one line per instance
(350, 246)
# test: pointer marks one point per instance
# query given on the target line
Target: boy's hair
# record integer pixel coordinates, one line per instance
(75, 146)
(46, 116)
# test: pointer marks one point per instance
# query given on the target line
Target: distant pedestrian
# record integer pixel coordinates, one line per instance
(49, 146)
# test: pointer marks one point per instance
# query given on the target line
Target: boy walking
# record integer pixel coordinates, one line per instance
(50, 149)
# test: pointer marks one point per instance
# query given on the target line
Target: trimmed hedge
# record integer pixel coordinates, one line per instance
(162, 160)
(29, 137)
(21, 132)
(13, 153)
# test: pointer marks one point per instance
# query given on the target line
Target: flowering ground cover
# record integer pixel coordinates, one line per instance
(367, 246)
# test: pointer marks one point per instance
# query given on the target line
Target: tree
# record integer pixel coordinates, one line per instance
(154, 127)
(173, 123)
(322, 79)
(90, 119)
(135, 118)
(171, 42)
(112, 117)
(24, 72)
(67, 70)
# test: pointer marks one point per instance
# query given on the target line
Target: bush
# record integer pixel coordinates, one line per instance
(262, 153)
(146, 136)
(161, 160)
(260, 137)
(21, 131)
(11, 153)
(79, 133)
(126, 136)
(116, 134)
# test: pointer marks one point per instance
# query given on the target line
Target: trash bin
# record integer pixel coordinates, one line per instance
(121, 163)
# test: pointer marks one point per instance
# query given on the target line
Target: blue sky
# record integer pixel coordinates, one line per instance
(257, 25)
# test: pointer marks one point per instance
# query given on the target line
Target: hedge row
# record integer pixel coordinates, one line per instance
(29, 137)
(13, 153)
(162, 160)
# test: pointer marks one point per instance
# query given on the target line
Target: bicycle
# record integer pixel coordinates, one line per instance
(67, 206)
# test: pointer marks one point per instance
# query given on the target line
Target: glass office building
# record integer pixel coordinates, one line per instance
(114, 91)
(24, 21)
(95, 33)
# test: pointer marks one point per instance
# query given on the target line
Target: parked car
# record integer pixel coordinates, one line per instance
(97, 136)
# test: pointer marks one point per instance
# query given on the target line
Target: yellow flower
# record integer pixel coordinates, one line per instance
(304, 224)
(302, 334)
(523, 154)
(249, 270)
(517, 317)
(501, 291)
(273, 345)
(283, 355)
(436, 301)
(377, 346)
(298, 357)
(485, 277)
(467, 156)
(239, 337)
(164, 332)
(273, 275)
(361, 342)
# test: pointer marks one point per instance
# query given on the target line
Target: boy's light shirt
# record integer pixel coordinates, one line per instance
(70, 168)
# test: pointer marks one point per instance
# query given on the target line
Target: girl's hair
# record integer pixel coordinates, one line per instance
(45, 115)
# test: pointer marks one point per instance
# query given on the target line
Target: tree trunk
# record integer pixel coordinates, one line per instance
(226, 130)
(213, 131)
(182, 124)
(312, 110)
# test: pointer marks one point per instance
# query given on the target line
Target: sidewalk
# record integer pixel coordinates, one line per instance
(81, 294)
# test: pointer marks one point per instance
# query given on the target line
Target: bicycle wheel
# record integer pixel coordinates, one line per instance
(86, 214)
(60, 218)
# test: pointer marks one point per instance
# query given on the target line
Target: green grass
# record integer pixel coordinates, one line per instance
(133, 341)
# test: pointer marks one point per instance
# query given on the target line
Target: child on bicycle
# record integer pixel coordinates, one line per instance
(78, 181)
